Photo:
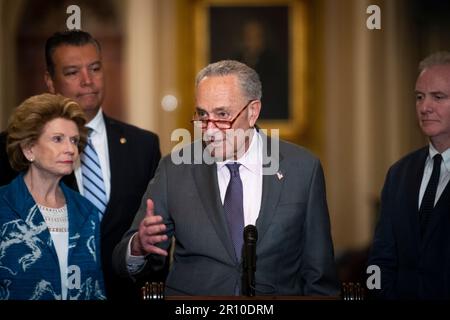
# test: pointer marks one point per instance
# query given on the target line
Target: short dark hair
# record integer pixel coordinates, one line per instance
(73, 38)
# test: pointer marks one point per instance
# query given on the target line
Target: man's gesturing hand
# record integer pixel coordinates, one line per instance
(151, 231)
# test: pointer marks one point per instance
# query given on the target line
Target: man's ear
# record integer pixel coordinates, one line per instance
(49, 82)
(254, 109)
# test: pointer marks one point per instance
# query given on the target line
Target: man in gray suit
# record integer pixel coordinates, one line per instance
(243, 177)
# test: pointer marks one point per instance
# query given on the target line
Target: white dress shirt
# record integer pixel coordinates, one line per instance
(251, 176)
(100, 142)
(444, 176)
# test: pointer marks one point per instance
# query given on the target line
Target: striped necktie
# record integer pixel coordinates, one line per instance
(93, 184)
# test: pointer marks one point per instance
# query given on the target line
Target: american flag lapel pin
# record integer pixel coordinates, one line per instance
(279, 175)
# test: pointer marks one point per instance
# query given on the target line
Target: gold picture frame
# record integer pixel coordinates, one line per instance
(291, 123)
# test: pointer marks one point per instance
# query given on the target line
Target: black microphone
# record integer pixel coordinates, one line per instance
(249, 260)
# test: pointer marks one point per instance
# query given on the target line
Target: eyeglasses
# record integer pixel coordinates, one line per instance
(221, 124)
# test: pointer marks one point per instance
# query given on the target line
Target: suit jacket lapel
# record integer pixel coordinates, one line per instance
(414, 188)
(417, 169)
(270, 197)
(205, 177)
(271, 189)
(22, 202)
(71, 181)
(437, 215)
(113, 136)
(77, 216)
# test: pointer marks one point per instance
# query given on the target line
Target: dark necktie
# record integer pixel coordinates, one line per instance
(234, 208)
(427, 205)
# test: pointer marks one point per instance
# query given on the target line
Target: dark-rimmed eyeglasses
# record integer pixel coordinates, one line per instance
(221, 124)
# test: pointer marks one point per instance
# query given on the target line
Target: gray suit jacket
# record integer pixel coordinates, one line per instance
(294, 247)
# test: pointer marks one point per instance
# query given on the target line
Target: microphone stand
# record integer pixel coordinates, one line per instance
(249, 261)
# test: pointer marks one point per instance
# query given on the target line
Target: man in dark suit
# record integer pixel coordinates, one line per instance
(7, 174)
(412, 241)
(205, 194)
(128, 156)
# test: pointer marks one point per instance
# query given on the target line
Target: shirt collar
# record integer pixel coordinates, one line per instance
(97, 124)
(445, 156)
(251, 158)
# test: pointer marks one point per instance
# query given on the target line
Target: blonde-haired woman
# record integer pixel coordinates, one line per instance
(49, 245)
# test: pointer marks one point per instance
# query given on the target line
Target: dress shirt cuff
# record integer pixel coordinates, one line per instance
(134, 263)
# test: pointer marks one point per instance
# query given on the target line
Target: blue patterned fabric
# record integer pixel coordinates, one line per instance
(29, 268)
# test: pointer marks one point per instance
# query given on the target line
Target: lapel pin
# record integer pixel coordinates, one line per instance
(123, 140)
(279, 175)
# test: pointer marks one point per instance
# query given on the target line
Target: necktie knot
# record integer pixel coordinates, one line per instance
(89, 135)
(437, 159)
(234, 169)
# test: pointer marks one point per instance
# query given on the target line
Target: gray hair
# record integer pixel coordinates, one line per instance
(247, 77)
(435, 59)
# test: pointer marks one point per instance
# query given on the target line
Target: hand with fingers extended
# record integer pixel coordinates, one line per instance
(151, 231)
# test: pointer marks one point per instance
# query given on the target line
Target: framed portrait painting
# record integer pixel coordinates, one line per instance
(270, 37)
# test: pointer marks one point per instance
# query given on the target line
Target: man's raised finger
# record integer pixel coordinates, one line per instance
(150, 208)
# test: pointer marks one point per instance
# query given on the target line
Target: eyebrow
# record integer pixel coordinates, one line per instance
(438, 92)
(95, 62)
(71, 67)
(63, 134)
(79, 66)
(223, 108)
(432, 92)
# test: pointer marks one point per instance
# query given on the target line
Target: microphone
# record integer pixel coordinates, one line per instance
(249, 260)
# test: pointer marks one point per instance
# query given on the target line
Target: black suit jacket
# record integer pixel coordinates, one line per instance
(134, 155)
(411, 267)
(7, 174)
